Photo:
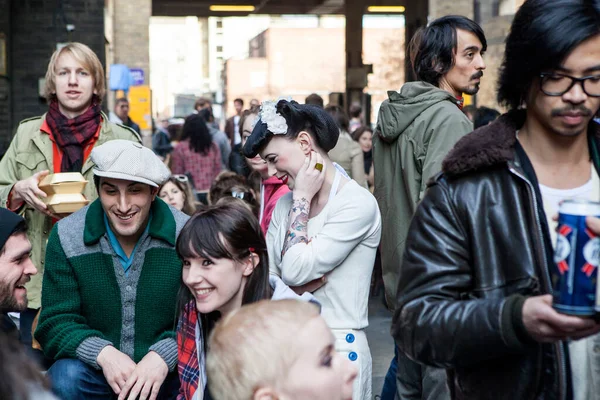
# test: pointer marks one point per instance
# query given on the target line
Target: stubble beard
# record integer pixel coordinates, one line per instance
(8, 302)
(471, 90)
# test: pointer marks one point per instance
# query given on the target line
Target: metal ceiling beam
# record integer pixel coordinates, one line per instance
(200, 8)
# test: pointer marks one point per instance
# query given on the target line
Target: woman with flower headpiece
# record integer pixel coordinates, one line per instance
(271, 188)
(325, 232)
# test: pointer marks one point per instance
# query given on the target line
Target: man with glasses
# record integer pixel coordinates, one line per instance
(474, 289)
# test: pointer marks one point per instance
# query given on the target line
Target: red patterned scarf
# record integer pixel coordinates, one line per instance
(460, 102)
(71, 135)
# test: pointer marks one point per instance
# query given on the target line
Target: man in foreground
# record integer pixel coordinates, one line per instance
(474, 290)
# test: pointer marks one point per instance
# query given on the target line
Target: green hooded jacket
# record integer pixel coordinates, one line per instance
(416, 128)
(30, 152)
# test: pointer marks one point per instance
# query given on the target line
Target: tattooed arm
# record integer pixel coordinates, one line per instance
(298, 233)
(298, 230)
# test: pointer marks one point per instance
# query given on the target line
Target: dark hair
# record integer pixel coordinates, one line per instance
(314, 100)
(19, 376)
(229, 182)
(175, 131)
(224, 231)
(339, 116)
(121, 100)
(196, 130)
(484, 116)
(238, 100)
(358, 132)
(206, 114)
(298, 117)
(542, 35)
(355, 110)
(432, 49)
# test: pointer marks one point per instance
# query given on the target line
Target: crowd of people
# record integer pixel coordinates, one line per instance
(236, 264)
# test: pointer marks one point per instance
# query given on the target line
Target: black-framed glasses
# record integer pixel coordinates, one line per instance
(553, 84)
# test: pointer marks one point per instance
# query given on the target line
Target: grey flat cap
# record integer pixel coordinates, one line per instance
(130, 161)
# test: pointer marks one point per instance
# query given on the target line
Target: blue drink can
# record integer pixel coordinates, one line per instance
(576, 257)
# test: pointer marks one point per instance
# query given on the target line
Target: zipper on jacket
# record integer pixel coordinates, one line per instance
(546, 274)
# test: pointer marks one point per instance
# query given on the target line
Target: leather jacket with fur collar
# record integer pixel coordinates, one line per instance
(478, 246)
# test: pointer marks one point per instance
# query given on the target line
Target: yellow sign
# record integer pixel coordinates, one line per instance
(468, 100)
(140, 106)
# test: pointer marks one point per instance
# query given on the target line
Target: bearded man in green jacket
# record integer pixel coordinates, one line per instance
(58, 141)
(415, 130)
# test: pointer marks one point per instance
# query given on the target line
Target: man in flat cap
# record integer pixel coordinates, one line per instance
(16, 267)
(110, 286)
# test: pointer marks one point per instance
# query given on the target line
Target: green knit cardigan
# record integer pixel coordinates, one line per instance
(80, 294)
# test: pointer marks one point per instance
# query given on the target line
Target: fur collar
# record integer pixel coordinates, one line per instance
(489, 146)
(485, 147)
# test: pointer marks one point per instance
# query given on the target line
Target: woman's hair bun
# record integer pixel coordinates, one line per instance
(298, 117)
(314, 118)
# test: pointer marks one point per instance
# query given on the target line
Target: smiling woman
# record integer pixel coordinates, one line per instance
(324, 234)
(225, 265)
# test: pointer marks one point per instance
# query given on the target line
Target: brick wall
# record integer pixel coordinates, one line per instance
(439, 8)
(496, 30)
(5, 113)
(36, 26)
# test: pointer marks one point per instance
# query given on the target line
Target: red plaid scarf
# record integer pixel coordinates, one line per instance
(71, 135)
(188, 365)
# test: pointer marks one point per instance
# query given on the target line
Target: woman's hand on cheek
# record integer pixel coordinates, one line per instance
(309, 179)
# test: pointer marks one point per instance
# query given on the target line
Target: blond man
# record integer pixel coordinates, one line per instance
(58, 141)
(277, 350)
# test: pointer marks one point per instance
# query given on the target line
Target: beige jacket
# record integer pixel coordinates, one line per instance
(348, 154)
(30, 152)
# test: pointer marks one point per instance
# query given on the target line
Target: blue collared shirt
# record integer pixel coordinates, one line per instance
(114, 242)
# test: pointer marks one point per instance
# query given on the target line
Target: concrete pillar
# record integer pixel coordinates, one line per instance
(356, 72)
(132, 33)
(439, 8)
(6, 112)
(205, 45)
(131, 44)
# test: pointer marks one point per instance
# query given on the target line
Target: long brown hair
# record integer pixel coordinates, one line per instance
(182, 183)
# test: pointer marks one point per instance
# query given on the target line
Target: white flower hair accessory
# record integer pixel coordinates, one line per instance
(276, 124)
